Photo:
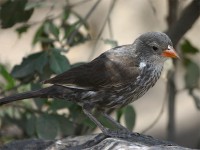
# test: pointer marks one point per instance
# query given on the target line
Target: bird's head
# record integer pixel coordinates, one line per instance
(154, 47)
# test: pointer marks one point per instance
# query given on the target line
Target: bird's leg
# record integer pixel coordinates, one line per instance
(89, 114)
(107, 132)
(122, 130)
(117, 124)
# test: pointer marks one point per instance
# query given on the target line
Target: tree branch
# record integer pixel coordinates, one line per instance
(177, 29)
(73, 34)
(188, 17)
(171, 87)
(103, 27)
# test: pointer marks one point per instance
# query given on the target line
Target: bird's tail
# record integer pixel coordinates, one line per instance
(49, 92)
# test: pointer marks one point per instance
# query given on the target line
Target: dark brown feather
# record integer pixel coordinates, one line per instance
(107, 70)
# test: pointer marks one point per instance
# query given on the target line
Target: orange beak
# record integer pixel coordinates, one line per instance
(170, 52)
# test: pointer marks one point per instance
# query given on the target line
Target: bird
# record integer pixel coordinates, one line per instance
(113, 80)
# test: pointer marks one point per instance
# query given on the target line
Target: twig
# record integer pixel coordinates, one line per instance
(102, 28)
(26, 108)
(14, 88)
(106, 19)
(73, 34)
(152, 7)
(110, 28)
(171, 87)
(79, 3)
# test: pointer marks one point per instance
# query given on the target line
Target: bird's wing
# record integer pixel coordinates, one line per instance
(107, 70)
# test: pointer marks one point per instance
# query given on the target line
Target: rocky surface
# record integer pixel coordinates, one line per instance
(94, 142)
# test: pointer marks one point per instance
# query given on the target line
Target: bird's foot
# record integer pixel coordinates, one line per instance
(120, 133)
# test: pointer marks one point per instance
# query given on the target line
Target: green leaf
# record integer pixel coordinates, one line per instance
(57, 104)
(130, 117)
(22, 29)
(47, 127)
(34, 4)
(106, 122)
(187, 47)
(76, 109)
(53, 29)
(89, 123)
(39, 102)
(42, 35)
(66, 126)
(31, 64)
(68, 29)
(73, 107)
(13, 12)
(38, 34)
(30, 125)
(73, 36)
(66, 13)
(192, 75)
(58, 62)
(9, 79)
(119, 114)
(40, 62)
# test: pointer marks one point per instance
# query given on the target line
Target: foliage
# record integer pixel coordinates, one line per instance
(192, 74)
(13, 12)
(56, 34)
(10, 82)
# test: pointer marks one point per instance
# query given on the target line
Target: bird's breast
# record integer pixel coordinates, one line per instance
(136, 88)
(148, 76)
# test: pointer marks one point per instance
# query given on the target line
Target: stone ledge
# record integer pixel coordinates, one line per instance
(93, 142)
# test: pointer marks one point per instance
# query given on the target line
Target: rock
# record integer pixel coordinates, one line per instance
(94, 142)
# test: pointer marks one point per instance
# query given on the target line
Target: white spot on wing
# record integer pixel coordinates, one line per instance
(76, 87)
(142, 65)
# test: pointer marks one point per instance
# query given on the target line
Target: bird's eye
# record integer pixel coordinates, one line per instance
(155, 48)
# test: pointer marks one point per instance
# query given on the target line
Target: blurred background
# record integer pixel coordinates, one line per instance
(42, 38)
